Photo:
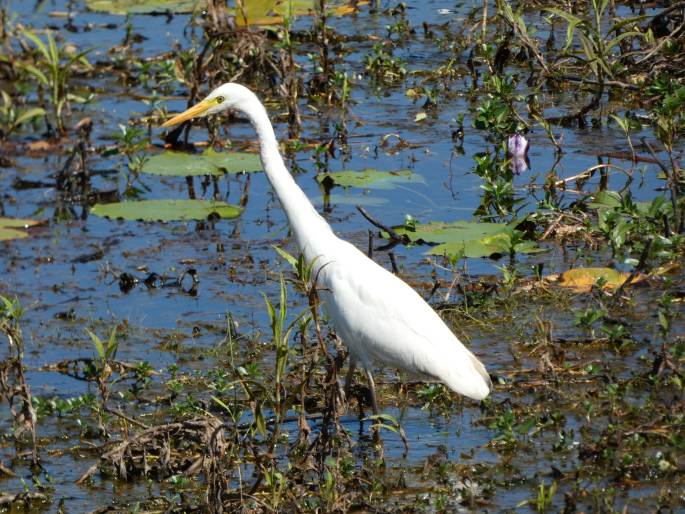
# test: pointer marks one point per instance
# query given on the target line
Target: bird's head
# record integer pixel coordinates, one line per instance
(226, 96)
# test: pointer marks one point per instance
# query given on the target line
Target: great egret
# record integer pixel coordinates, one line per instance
(377, 315)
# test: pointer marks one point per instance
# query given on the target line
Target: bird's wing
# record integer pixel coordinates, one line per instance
(381, 318)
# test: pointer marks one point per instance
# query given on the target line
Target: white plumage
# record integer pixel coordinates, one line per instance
(377, 315)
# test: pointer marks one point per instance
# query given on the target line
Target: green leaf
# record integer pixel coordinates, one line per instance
(369, 178)
(572, 22)
(254, 11)
(210, 162)
(145, 6)
(285, 255)
(12, 228)
(465, 239)
(29, 114)
(257, 10)
(37, 73)
(166, 210)
(39, 44)
(351, 199)
(112, 344)
(606, 200)
(97, 342)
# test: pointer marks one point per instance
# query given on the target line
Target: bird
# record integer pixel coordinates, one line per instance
(379, 317)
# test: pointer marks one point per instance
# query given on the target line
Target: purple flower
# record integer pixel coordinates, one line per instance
(518, 150)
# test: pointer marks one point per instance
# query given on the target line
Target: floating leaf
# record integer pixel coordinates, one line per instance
(166, 210)
(257, 12)
(210, 162)
(365, 200)
(368, 178)
(274, 12)
(467, 239)
(582, 279)
(145, 6)
(13, 228)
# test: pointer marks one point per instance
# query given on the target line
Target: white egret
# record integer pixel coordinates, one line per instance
(377, 315)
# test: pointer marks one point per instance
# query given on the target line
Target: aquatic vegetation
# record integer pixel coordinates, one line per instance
(13, 228)
(210, 162)
(11, 118)
(167, 210)
(53, 69)
(367, 178)
(460, 239)
(208, 379)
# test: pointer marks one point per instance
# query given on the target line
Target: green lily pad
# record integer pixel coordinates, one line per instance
(274, 12)
(166, 210)
(369, 178)
(145, 6)
(336, 199)
(210, 162)
(467, 239)
(258, 12)
(13, 228)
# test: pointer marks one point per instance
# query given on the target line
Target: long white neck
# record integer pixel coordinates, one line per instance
(307, 225)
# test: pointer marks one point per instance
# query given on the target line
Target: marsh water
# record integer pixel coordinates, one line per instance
(68, 273)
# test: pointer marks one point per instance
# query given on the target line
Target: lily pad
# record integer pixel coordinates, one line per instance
(369, 178)
(364, 200)
(467, 239)
(273, 12)
(582, 279)
(210, 162)
(257, 12)
(166, 210)
(145, 6)
(13, 228)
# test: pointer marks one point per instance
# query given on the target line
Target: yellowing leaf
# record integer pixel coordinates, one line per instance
(582, 279)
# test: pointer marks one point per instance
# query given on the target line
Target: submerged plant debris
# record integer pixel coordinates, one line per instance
(520, 164)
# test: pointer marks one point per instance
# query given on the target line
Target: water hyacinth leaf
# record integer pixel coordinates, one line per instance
(124, 7)
(210, 162)
(612, 200)
(166, 210)
(606, 200)
(14, 228)
(466, 239)
(368, 178)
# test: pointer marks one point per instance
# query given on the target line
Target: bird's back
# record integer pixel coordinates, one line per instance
(383, 319)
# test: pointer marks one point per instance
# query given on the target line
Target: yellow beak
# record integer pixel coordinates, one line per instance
(193, 112)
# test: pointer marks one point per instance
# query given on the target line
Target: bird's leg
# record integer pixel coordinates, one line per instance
(350, 375)
(372, 388)
(374, 406)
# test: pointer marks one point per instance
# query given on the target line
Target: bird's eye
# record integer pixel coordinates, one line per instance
(219, 99)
